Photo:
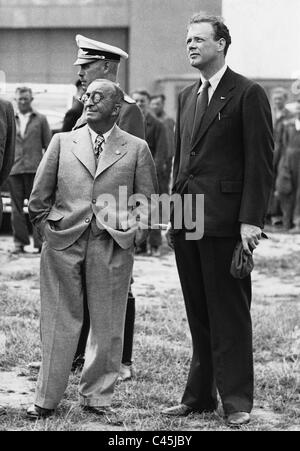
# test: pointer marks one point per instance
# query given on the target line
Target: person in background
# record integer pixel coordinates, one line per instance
(280, 115)
(7, 152)
(157, 106)
(288, 178)
(156, 137)
(74, 113)
(33, 137)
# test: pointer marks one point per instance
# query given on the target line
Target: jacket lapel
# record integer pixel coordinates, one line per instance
(83, 150)
(189, 113)
(115, 148)
(220, 98)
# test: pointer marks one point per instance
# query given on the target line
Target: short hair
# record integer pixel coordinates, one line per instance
(281, 91)
(23, 89)
(142, 92)
(217, 22)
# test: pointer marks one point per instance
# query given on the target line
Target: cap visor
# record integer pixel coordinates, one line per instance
(81, 61)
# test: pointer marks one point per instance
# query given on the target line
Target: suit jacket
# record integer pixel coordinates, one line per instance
(72, 116)
(156, 137)
(7, 142)
(29, 148)
(230, 160)
(130, 118)
(67, 188)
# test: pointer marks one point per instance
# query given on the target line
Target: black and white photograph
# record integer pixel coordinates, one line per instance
(149, 218)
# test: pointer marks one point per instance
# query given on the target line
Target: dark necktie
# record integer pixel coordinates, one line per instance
(98, 146)
(201, 107)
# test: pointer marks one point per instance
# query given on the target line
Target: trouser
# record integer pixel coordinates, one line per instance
(154, 240)
(128, 331)
(98, 267)
(218, 311)
(20, 186)
(287, 202)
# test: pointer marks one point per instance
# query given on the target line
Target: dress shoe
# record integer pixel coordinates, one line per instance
(38, 413)
(2, 411)
(238, 419)
(100, 411)
(126, 372)
(181, 410)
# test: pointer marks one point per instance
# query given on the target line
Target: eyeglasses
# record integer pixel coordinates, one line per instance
(95, 97)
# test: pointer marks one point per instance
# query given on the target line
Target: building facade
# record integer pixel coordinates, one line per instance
(37, 37)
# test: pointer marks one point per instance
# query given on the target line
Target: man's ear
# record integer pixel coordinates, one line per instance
(116, 110)
(222, 44)
(106, 67)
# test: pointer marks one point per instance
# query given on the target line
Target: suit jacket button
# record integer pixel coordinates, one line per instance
(191, 176)
(93, 201)
(87, 220)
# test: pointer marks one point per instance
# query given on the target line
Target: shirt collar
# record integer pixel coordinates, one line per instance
(105, 135)
(215, 79)
(28, 114)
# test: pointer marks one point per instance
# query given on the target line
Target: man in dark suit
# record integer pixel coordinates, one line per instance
(156, 137)
(7, 152)
(224, 150)
(75, 112)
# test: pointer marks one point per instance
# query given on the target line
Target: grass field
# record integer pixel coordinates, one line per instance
(161, 354)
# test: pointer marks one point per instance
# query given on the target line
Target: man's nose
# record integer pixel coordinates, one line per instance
(191, 45)
(89, 102)
(80, 73)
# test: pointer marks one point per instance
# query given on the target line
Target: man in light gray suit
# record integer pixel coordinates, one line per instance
(88, 249)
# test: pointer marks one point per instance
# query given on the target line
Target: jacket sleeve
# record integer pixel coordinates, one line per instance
(131, 120)
(9, 146)
(43, 191)
(258, 156)
(145, 182)
(46, 133)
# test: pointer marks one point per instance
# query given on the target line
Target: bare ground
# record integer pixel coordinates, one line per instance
(162, 345)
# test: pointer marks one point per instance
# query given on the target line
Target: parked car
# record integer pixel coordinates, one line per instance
(52, 100)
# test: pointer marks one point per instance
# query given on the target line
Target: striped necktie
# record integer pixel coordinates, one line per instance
(98, 146)
(201, 107)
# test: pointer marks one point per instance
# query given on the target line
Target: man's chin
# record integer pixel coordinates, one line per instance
(195, 63)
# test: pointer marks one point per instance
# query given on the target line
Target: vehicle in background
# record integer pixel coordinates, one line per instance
(52, 100)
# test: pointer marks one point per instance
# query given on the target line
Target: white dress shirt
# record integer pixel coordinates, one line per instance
(214, 81)
(105, 136)
(23, 118)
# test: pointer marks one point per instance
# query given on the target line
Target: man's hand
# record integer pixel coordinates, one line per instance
(170, 236)
(250, 235)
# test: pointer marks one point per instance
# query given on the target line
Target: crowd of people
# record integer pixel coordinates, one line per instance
(284, 208)
(222, 148)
